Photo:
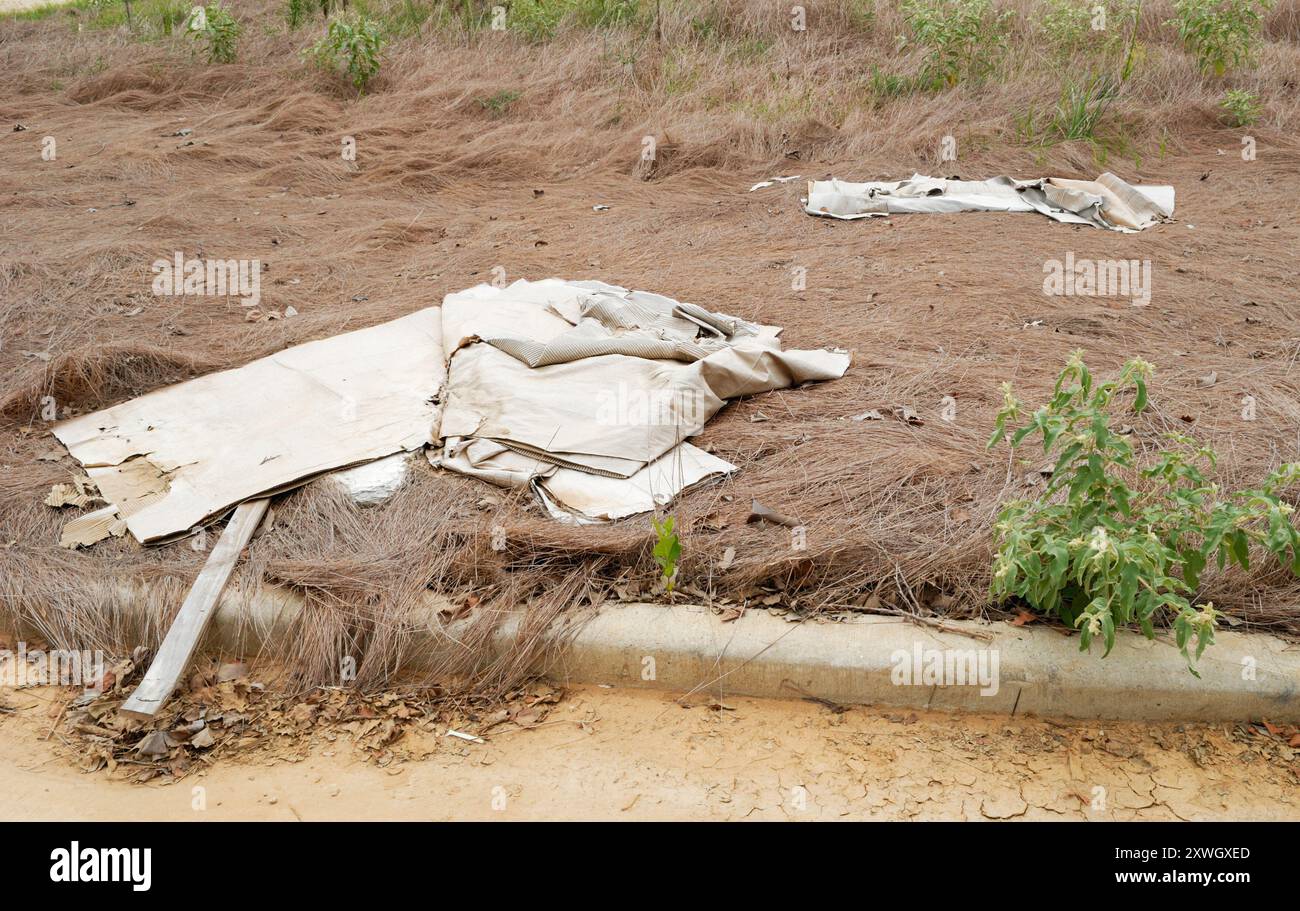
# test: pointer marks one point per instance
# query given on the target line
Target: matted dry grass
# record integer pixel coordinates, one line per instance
(897, 515)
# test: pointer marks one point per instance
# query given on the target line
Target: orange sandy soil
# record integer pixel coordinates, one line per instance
(624, 754)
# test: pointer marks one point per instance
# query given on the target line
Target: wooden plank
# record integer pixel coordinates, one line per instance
(200, 604)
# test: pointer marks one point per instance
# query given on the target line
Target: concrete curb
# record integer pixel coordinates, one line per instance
(876, 661)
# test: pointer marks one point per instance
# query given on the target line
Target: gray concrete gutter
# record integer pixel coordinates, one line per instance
(882, 661)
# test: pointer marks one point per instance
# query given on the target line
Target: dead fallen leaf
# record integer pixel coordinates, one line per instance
(155, 743)
(760, 513)
(203, 739)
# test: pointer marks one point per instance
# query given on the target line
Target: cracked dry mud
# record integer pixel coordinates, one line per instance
(624, 754)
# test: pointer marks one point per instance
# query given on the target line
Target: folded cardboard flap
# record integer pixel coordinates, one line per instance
(600, 432)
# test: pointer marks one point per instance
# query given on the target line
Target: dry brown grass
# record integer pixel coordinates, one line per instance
(442, 192)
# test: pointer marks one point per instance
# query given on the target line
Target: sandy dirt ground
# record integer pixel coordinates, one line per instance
(633, 755)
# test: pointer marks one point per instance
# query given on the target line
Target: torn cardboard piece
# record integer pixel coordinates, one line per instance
(1107, 202)
(582, 497)
(586, 392)
(87, 529)
(174, 458)
(80, 493)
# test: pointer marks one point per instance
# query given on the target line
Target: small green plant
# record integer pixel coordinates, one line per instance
(539, 20)
(964, 38)
(296, 13)
(748, 50)
(1082, 105)
(1221, 33)
(1084, 100)
(216, 29)
(499, 103)
(536, 20)
(678, 76)
(1067, 24)
(668, 550)
(1097, 25)
(1108, 543)
(407, 18)
(707, 28)
(884, 85)
(171, 15)
(1242, 107)
(353, 46)
(861, 14)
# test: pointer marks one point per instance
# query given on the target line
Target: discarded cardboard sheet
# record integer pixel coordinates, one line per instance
(583, 391)
(587, 391)
(1107, 202)
(174, 458)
